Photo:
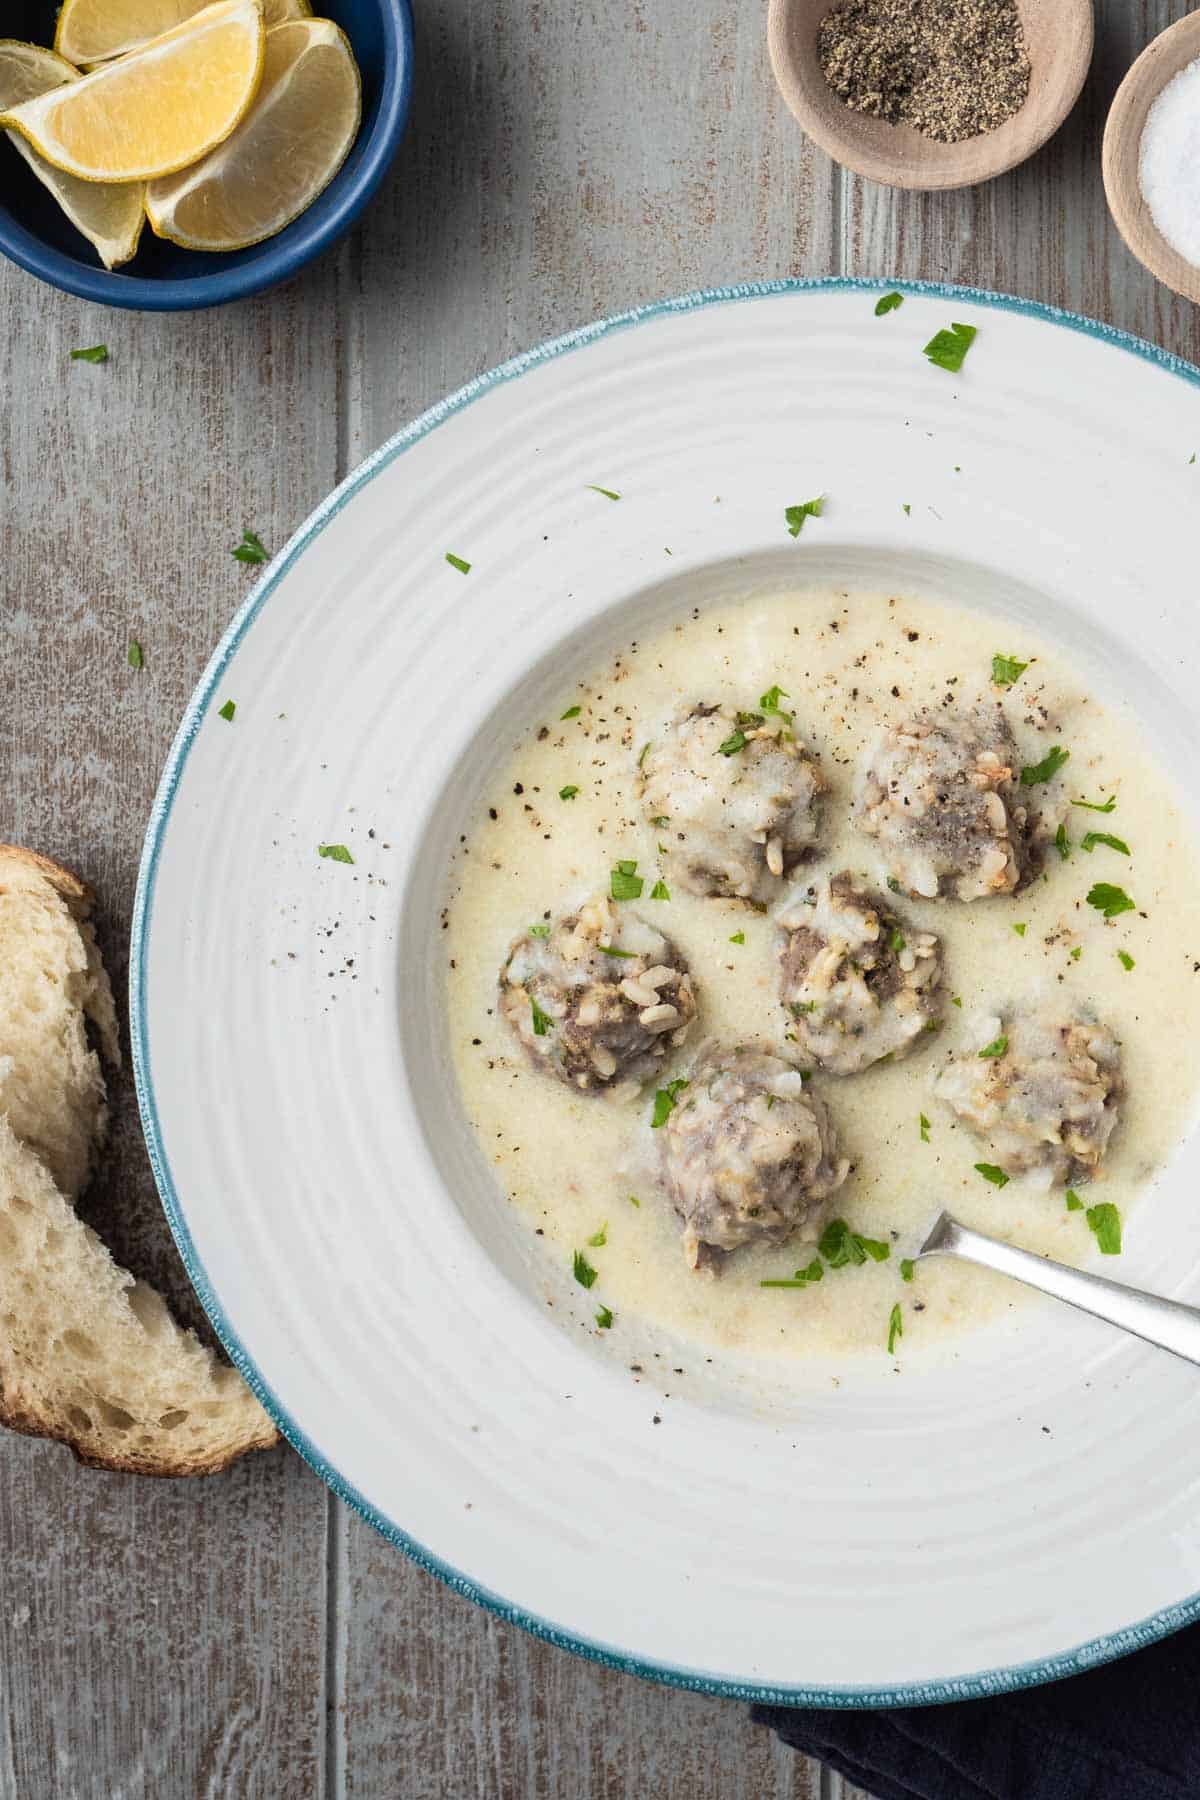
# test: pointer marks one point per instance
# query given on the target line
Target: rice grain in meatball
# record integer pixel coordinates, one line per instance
(857, 983)
(750, 1154)
(599, 998)
(734, 797)
(1042, 1090)
(941, 794)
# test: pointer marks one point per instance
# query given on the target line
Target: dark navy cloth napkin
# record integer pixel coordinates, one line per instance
(1127, 1731)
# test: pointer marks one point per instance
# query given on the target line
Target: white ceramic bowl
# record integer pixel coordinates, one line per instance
(1017, 1505)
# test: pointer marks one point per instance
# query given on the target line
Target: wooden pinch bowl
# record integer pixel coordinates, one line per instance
(1159, 63)
(1059, 36)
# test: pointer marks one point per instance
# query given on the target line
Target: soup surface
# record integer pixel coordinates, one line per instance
(584, 1169)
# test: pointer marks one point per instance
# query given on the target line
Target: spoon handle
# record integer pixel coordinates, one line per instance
(1167, 1323)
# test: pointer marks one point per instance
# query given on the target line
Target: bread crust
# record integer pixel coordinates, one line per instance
(75, 892)
(28, 1424)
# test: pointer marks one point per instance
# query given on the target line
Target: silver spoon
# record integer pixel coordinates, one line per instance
(1167, 1323)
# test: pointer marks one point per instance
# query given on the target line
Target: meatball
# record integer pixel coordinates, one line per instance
(941, 793)
(856, 983)
(750, 1155)
(1043, 1090)
(599, 998)
(735, 799)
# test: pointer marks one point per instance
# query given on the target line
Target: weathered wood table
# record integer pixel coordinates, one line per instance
(248, 1636)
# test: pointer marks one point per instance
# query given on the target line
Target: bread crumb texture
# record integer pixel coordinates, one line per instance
(88, 1355)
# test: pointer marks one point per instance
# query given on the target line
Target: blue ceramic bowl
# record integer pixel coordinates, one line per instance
(162, 277)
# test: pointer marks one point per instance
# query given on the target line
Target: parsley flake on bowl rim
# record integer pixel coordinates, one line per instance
(948, 349)
(794, 516)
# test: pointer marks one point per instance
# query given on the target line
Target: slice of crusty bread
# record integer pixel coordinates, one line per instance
(52, 984)
(88, 1355)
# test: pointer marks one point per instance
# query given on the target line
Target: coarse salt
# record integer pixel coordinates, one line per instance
(1169, 168)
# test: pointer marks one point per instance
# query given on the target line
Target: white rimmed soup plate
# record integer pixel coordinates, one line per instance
(1010, 1508)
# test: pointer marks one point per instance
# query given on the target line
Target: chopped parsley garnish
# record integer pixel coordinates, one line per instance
(737, 740)
(133, 655)
(924, 1122)
(611, 950)
(569, 792)
(604, 1317)
(991, 1173)
(660, 890)
(769, 703)
(335, 852)
(1105, 1221)
(97, 353)
(894, 885)
(1047, 769)
(607, 492)
(1020, 929)
(251, 549)
(796, 515)
(634, 1201)
(458, 562)
(1006, 670)
(906, 1268)
(572, 712)
(1106, 806)
(661, 819)
(956, 1000)
(896, 939)
(1109, 900)
(643, 753)
(1062, 842)
(227, 711)
(542, 930)
(887, 303)
(739, 937)
(895, 1327)
(583, 1270)
(664, 1102)
(1074, 1203)
(599, 1238)
(842, 1248)
(997, 1047)
(542, 1022)
(801, 1278)
(946, 349)
(906, 508)
(799, 1007)
(625, 883)
(1126, 961)
(1090, 839)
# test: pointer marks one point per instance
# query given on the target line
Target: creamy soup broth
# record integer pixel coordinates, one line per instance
(569, 1163)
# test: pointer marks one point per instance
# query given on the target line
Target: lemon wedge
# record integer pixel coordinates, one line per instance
(156, 110)
(111, 217)
(291, 143)
(90, 31)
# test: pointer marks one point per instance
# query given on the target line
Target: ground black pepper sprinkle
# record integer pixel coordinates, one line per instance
(950, 68)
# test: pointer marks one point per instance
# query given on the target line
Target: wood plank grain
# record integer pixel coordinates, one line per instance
(155, 1638)
(443, 1700)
